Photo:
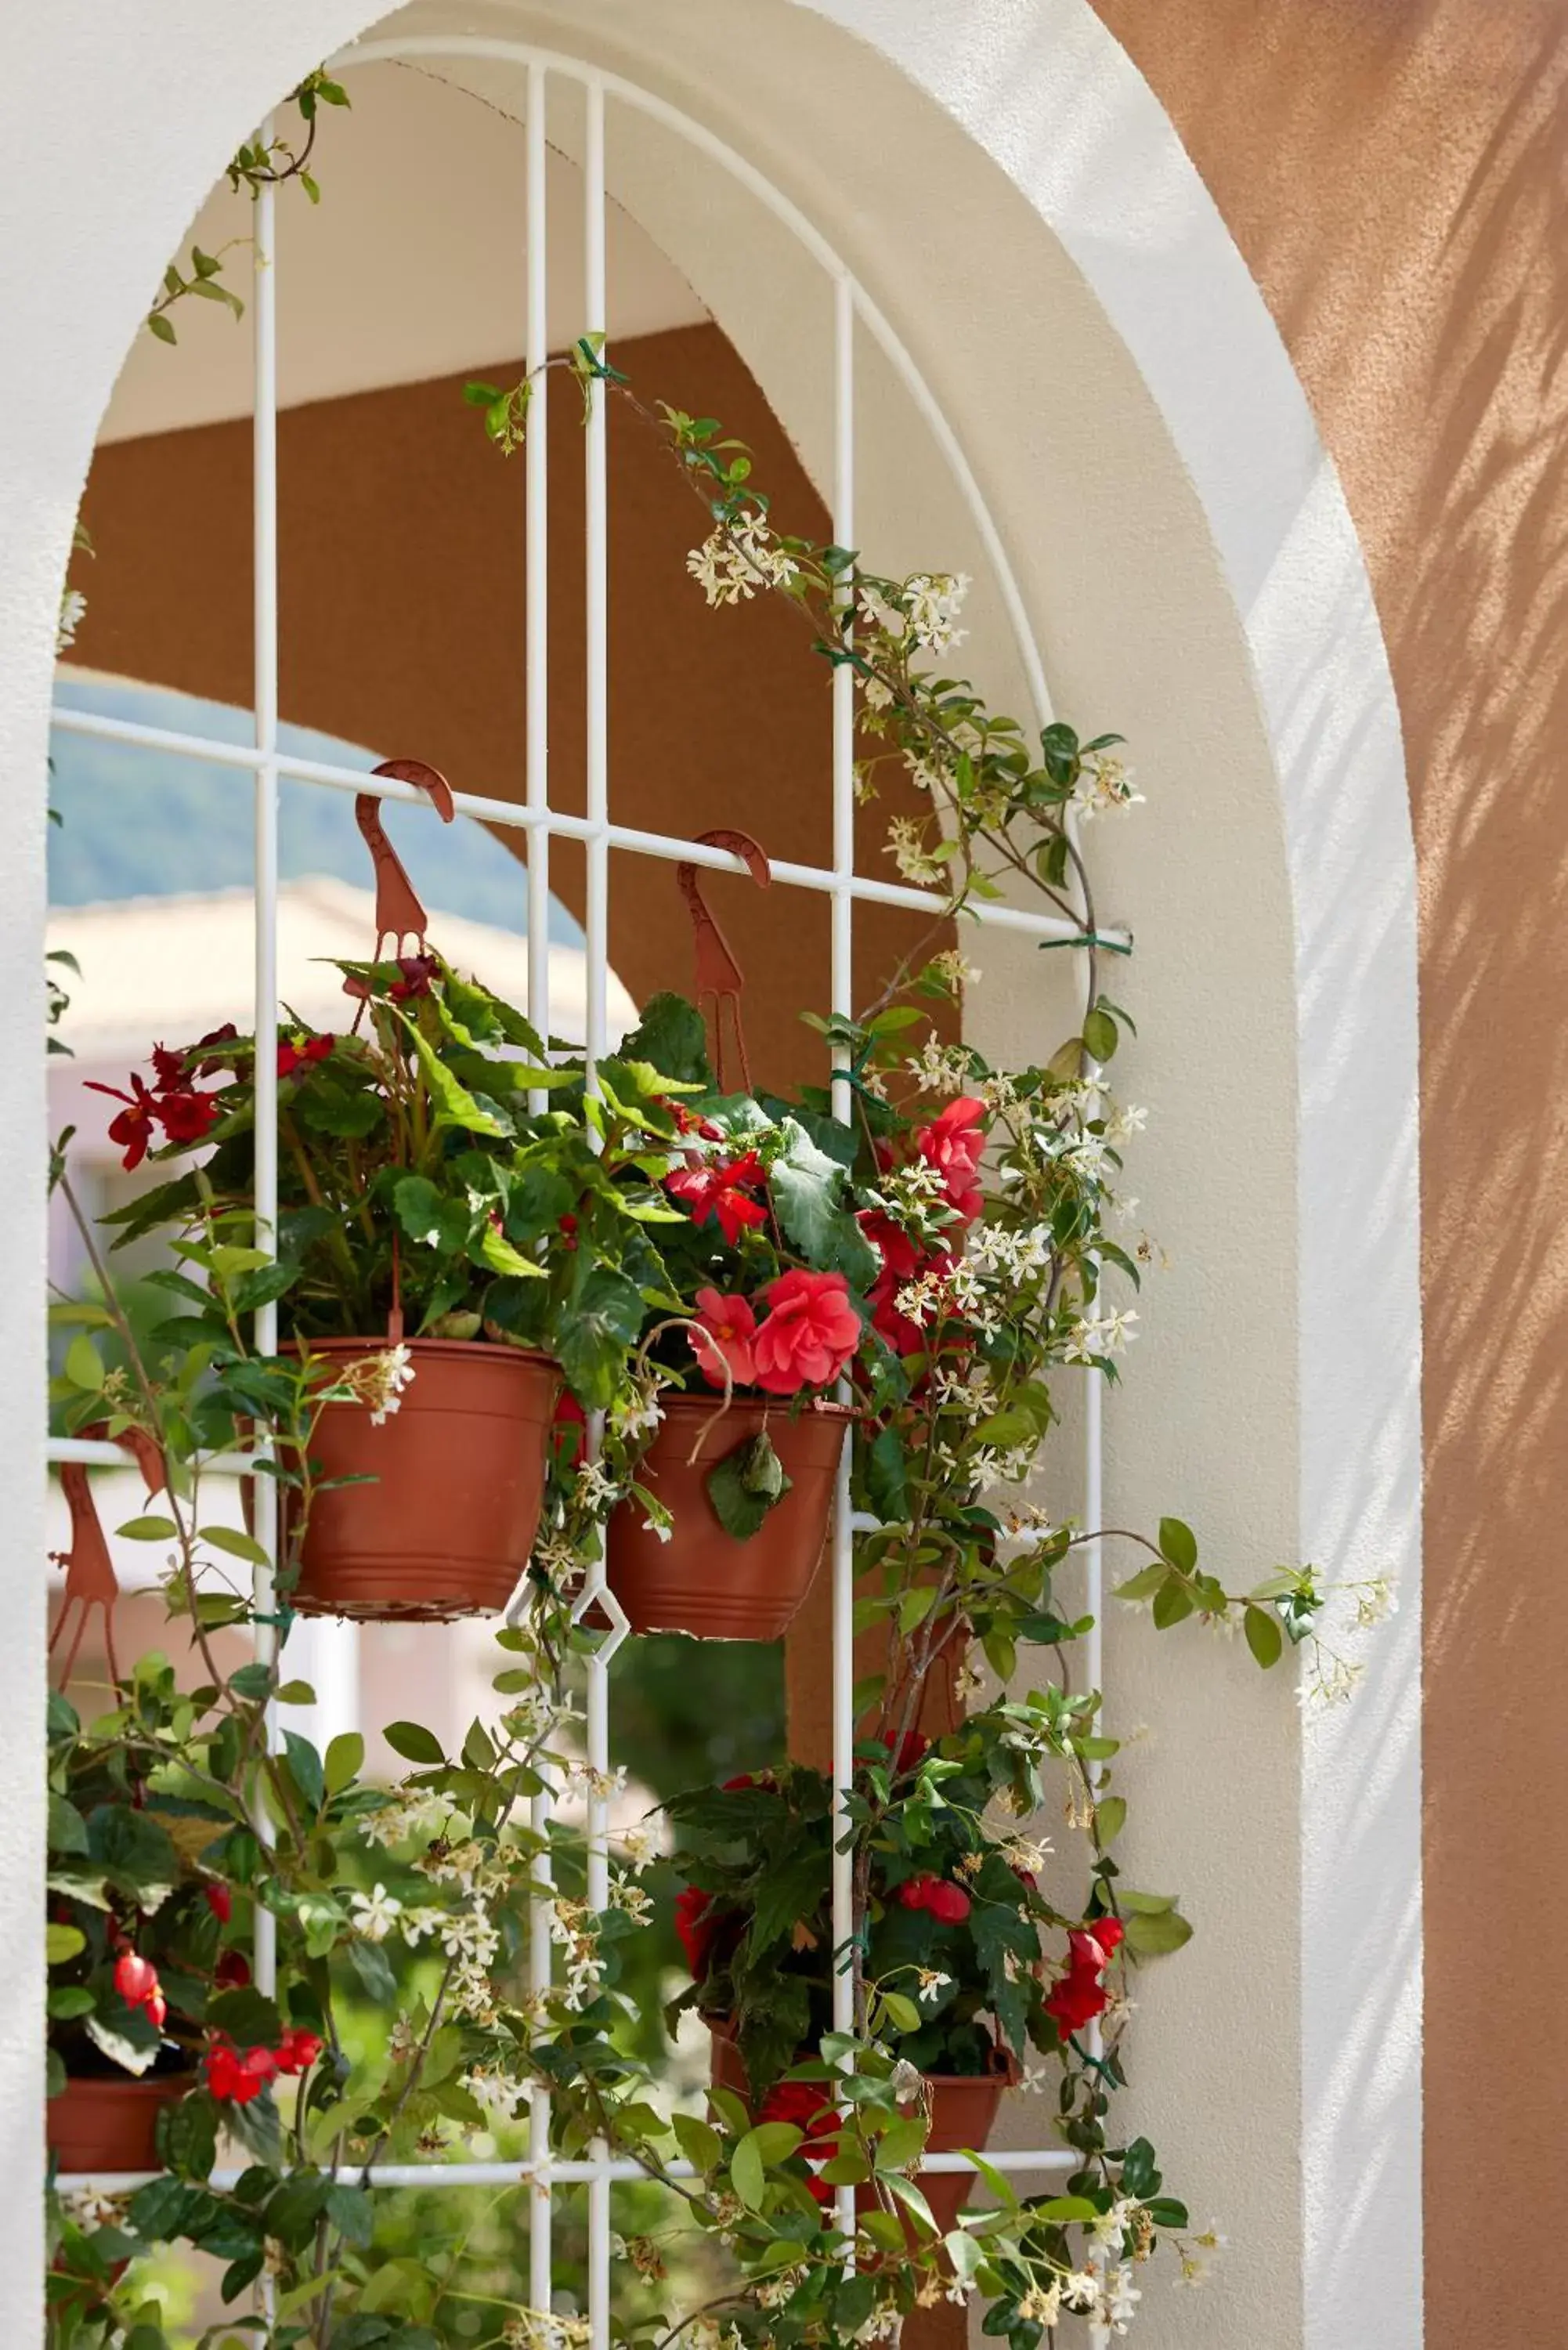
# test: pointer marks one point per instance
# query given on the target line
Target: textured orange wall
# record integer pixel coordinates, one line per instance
(1395, 175)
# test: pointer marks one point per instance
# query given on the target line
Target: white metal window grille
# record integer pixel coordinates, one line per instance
(853, 311)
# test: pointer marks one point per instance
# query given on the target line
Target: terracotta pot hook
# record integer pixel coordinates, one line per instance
(398, 913)
(719, 976)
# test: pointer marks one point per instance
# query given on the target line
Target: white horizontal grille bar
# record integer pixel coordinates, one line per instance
(863, 888)
(619, 2168)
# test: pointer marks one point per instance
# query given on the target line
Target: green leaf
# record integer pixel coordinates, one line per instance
(344, 1761)
(746, 1484)
(84, 1364)
(68, 1829)
(430, 1217)
(886, 1488)
(1110, 1817)
(1099, 1034)
(1152, 1937)
(157, 323)
(1172, 1603)
(135, 1852)
(1179, 1543)
(807, 1188)
(237, 1544)
(413, 1742)
(1265, 1636)
(1144, 1584)
(62, 1943)
(305, 1765)
(149, 1530)
(500, 1256)
(698, 2141)
(456, 1107)
(599, 1328)
(746, 2172)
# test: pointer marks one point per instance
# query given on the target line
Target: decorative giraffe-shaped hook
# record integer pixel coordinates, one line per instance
(398, 913)
(719, 976)
(90, 1578)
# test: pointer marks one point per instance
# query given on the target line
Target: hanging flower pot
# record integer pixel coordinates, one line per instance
(705, 1579)
(963, 2110)
(446, 1526)
(110, 2122)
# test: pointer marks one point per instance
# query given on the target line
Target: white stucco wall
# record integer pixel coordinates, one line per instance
(1012, 195)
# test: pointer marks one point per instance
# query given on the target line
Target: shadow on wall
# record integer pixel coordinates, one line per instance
(1395, 178)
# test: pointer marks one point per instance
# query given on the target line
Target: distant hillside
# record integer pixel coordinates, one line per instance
(142, 824)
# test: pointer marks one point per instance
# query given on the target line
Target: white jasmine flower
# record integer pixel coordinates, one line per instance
(1125, 1122)
(500, 2097)
(907, 848)
(736, 560)
(876, 612)
(1042, 2302)
(1121, 2298)
(941, 1068)
(73, 611)
(877, 694)
(374, 1914)
(1102, 1334)
(1375, 1601)
(1105, 783)
(951, 965)
(931, 1983)
(934, 602)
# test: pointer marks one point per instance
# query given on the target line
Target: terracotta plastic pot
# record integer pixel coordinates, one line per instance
(111, 2123)
(964, 2107)
(704, 1580)
(448, 1524)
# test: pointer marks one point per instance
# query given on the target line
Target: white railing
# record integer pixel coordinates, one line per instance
(853, 311)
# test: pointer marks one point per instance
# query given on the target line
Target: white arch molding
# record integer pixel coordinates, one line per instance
(1020, 207)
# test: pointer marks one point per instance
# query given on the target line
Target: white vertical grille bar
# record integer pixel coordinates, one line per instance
(536, 582)
(843, 992)
(536, 586)
(596, 663)
(264, 592)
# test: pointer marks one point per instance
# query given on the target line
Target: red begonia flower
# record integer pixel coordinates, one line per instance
(807, 2106)
(684, 1122)
(569, 1431)
(220, 1901)
(911, 1749)
(292, 1056)
(1079, 1995)
(132, 1128)
(733, 1325)
(695, 1927)
(135, 1978)
(811, 1332)
(900, 1253)
(418, 973)
(239, 2078)
(720, 1191)
(187, 1116)
(950, 1904)
(297, 2051)
(227, 1034)
(953, 1144)
(155, 2010)
(168, 1070)
(232, 1972)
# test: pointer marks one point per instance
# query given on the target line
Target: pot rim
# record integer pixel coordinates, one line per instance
(131, 2084)
(427, 1348)
(751, 1400)
(1004, 2071)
